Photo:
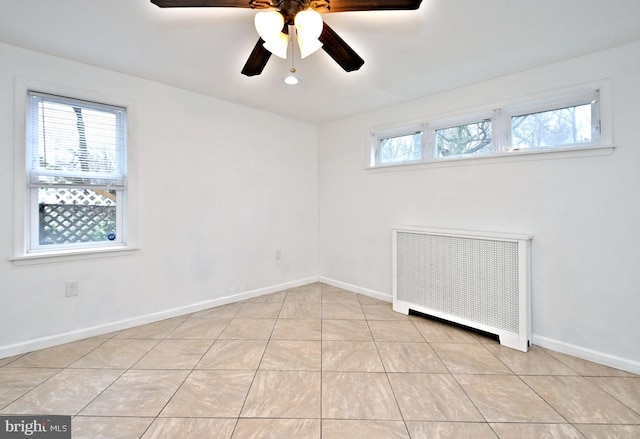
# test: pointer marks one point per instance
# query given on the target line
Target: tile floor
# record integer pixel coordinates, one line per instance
(316, 362)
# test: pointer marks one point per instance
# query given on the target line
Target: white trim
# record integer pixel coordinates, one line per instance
(80, 334)
(587, 354)
(356, 289)
(507, 157)
(68, 255)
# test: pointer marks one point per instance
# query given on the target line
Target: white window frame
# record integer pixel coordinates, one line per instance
(26, 252)
(500, 114)
(376, 137)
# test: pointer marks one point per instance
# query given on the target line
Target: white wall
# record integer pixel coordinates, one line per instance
(218, 188)
(583, 212)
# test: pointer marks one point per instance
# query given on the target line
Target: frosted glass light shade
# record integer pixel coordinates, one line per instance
(278, 46)
(308, 46)
(308, 24)
(269, 24)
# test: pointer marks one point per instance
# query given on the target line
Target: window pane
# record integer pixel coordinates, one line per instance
(405, 148)
(563, 126)
(75, 142)
(472, 138)
(71, 216)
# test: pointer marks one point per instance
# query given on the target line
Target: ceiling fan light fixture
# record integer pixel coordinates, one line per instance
(278, 46)
(308, 46)
(308, 24)
(269, 24)
(291, 79)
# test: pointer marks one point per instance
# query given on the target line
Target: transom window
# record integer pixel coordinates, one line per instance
(571, 121)
(76, 173)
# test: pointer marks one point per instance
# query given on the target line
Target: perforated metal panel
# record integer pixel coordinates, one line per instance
(472, 278)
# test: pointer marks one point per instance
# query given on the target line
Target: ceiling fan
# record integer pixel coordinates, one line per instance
(288, 13)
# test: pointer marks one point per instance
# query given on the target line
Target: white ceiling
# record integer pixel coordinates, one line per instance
(408, 54)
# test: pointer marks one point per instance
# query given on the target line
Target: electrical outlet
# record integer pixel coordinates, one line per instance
(278, 255)
(71, 288)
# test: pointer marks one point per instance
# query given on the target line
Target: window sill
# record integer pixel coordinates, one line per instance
(514, 156)
(71, 255)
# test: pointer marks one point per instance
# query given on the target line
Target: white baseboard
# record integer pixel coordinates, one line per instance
(356, 289)
(79, 334)
(587, 354)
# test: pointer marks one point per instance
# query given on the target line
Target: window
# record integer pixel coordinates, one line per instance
(469, 138)
(566, 122)
(397, 146)
(571, 125)
(76, 170)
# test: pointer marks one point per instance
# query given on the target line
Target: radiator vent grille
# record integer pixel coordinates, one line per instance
(479, 281)
(474, 279)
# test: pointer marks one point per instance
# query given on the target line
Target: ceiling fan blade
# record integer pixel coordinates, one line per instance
(257, 60)
(339, 50)
(372, 5)
(206, 3)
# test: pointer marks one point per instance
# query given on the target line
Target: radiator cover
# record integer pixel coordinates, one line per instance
(477, 279)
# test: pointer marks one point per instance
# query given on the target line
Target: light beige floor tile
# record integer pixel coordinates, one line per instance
(366, 300)
(58, 356)
(174, 354)
(409, 357)
(303, 296)
(278, 297)
(339, 297)
(534, 362)
(439, 332)
(259, 310)
(313, 288)
(395, 331)
(283, 394)
(15, 382)
(450, 430)
(587, 368)
(65, 393)
(138, 393)
(625, 390)
(350, 356)
(234, 354)
(199, 329)
(358, 395)
(326, 288)
(301, 310)
(358, 429)
(219, 312)
(536, 431)
(88, 427)
(354, 330)
(156, 330)
(609, 431)
(277, 429)
(116, 353)
(432, 397)
(469, 358)
(210, 393)
(190, 428)
(297, 329)
(5, 361)
(382, 311)
(292, 355)
(505, 398)
(256, 329)
(579, 401)
(342, 311)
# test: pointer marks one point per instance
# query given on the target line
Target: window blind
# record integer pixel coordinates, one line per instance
(75, 143)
